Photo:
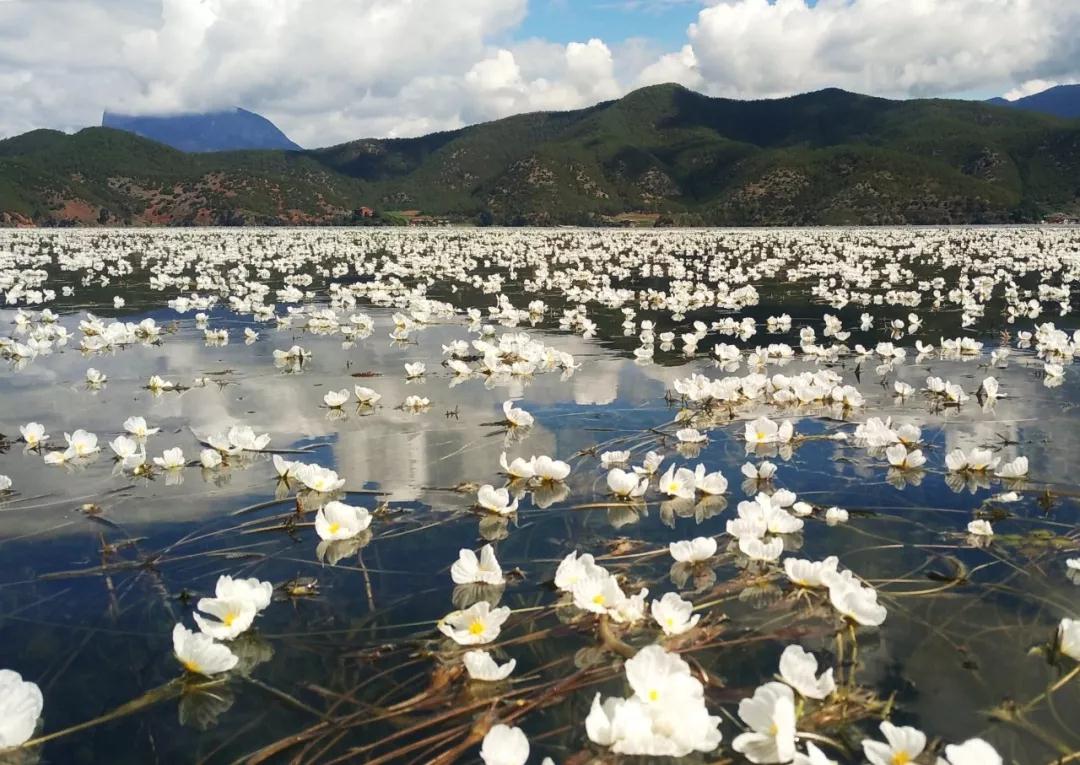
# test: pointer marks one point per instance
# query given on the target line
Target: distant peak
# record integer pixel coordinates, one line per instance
(230, 129)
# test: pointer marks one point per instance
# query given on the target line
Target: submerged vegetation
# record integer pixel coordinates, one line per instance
(539, 496)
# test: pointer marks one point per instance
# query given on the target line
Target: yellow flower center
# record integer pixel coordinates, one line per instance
(774, 729)
(901, 758)
(229, 618)
(191, 666)
(476, 628)
(333, 528)
(654, 695)
(760, 436)
(598, 599)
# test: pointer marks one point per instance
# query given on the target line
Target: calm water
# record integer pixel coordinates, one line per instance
(96, 565)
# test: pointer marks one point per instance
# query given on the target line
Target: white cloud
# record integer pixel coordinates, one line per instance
(754, 48)
(326, 70)
(1030, 87)
(548, 77)
(681, 67)
(333, 70)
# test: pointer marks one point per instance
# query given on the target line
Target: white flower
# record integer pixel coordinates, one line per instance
(366, 395)
(770, 714)
(805, 573)
(171, 459)
(977, 460)
(763, 472)
(94, 377)
(650, 464)
(573, 569)
(516, 416)
(690, 436)
(415, 370)
(629, 609)
(318, 478)
(336, 521)
(799, 668)
(481, 666)
(990, 388)
(519, 468)
(475, 625)
(666, 716)
(5, 483)
(1069, 638)
(20, 707)
(243, 437)
(496, 500)
(210, 458)
(33, 433)
(615, 458)
(765, 431)
(416, 403)
(296, 354)
(674, 615)
(694, 550)
(549, 469)
(335, 399)
(1018, 468)
(504, 745)
(972, 752)
(835, 515)
(757, 549)
(283, 467)
(855, 601)
(597, 592)
(232, 616)
(802, 509)
(980, 528)
(200, 653)
(903, 745)
(899, 457)
(468, 569)
(124, 447)
(677, 483)
(251, 589)
(81, 443)
(156, 383)
(626, 485)
(712, 484)
(57, 457)
(137, 427)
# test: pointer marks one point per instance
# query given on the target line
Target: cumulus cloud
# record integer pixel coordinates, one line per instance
(754, 48)
(334, 70)
(1030, 87)
(564, 77)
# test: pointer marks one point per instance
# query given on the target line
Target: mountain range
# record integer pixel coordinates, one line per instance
(662, 154)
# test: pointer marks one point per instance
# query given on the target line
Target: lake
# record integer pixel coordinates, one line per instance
(835, 379)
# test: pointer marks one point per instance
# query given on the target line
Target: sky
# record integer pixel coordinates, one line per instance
(328, 71)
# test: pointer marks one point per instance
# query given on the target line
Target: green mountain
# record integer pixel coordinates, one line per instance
(660, 153)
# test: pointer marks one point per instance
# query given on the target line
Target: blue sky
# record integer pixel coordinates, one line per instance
(564, 21)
